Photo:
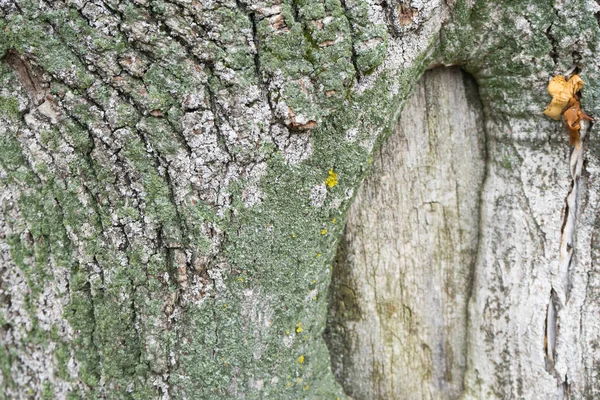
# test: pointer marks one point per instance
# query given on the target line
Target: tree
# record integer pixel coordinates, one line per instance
(177, 178)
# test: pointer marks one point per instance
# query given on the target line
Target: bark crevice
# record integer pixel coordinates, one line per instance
(353, 55)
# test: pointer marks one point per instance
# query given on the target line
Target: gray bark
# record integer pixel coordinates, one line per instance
(512, 280)
(403, 277)
(176, 177)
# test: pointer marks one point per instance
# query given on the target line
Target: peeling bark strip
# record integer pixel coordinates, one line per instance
(398, 319)
(561, 290)
(565, 98)
(570, 220)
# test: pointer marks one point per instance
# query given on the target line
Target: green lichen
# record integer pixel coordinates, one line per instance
(9, 106)
(274, 256)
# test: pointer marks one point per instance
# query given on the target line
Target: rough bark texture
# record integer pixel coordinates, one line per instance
(175, 178)
(397, 324)
(176, 175)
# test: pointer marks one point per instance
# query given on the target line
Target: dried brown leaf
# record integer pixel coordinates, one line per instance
(561, 91)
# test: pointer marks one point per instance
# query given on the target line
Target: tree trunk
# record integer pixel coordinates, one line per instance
(176, 178)
(405, 264)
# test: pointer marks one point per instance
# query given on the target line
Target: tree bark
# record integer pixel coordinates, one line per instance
(176, 177)
(522, 255)
(398, 321)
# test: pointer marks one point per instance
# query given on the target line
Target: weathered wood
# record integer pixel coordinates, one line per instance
(401, 283)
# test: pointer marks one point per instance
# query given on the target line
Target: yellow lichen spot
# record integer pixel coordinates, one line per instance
(299, 327)
(241, 279)
(333, 221)
(315, 298)
(314, 281)
(287, 332)
(293, 236)
(224, 305)
(306, 387)
(301, 359)
(290, 384)
(299, 379)
(323, 231)
(332, 179)
(318, 254)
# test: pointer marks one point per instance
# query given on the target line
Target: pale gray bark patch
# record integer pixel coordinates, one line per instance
(525, 333)
(528, 335)
(398, 321)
